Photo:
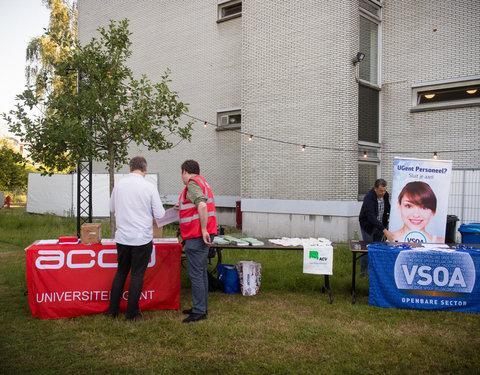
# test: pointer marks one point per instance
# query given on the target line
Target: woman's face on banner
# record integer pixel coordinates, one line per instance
(414, 217)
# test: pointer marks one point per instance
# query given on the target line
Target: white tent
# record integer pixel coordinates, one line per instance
(57, 194)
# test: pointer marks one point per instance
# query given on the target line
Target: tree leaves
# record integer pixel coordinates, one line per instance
(95, 108)
(13, 174)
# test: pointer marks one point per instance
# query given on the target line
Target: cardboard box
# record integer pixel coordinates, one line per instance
(91, 233)
(157, 231)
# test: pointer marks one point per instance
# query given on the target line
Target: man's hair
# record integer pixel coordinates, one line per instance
(191, 166)
(138, 163)
(380, 182)
(420, 194)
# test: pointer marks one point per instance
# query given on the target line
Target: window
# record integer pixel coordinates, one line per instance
(229, 119)
(228, 10)
(369, 46)
(453, 93)
(368, 153)
(367, 174)
(369, 86)
(369, 72)
(368, 166)
(368, 114)
(373, 7)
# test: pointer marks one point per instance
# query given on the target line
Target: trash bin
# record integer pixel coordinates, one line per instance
(238, 214)
(450, 231)
(470, 233)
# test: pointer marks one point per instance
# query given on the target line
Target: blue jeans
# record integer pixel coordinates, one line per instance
(376, 235)
(196, 252)
(134, 258)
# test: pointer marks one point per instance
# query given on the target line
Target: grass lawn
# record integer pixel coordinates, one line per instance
(288, 328)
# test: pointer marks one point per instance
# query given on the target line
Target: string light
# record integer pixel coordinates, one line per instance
(331, 148)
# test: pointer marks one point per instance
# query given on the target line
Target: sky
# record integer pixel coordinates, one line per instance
(20, 21)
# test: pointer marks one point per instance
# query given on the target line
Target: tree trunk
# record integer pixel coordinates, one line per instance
(111, 172)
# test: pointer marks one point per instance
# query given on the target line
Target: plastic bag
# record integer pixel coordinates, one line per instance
(228, 276)
(250, 275)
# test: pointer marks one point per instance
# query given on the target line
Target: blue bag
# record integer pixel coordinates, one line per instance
(228, 276)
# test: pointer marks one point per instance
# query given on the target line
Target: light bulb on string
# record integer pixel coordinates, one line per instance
(304, 147)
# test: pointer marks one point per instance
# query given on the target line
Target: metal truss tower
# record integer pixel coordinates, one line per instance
(84, 193)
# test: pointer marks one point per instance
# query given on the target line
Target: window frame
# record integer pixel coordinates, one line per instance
(453, 83)
(228, 112)
(227, 4)
(378, 20)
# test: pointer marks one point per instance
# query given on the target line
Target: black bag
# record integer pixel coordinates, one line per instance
(214, 284)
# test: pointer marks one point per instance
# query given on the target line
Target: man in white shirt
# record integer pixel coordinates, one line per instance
(135, 202)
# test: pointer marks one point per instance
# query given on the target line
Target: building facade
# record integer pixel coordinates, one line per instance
(306, 102)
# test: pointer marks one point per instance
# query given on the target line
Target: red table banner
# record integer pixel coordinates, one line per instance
(70, 280)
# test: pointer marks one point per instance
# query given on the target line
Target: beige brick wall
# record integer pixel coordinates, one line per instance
(205, 60)
(299, 86)
(414, 53)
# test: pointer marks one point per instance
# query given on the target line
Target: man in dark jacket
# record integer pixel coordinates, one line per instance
(374, 218)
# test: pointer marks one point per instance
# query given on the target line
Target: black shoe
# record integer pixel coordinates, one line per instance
(195, 318)
(138, 318)
(190, 311)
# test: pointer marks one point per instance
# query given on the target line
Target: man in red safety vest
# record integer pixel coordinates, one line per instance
(198, 226)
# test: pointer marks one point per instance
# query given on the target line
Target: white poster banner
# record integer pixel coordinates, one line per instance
(318, 260)
(419, 200)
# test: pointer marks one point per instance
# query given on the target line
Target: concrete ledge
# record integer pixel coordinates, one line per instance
(220, 200)
(302, 207)
(271, 225)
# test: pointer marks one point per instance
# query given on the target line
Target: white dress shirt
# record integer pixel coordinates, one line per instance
(135, 203)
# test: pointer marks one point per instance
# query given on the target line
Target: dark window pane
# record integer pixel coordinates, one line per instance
(232, 9)
(460, 93)
(368, 114)
(367, 174)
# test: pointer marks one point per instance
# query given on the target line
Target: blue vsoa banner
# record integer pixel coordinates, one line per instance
(424, 278)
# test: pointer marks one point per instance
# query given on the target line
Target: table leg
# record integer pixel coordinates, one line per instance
(353, 276)
(219, 259)
(327, 288)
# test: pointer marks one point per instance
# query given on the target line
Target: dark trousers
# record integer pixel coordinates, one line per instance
(134, 258)
(377, 236)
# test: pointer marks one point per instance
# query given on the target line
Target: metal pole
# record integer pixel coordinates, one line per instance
(90, 191)
(78, 198)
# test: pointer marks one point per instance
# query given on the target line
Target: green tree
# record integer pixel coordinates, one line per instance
(44, 52)
(13, 174)
(99, 108)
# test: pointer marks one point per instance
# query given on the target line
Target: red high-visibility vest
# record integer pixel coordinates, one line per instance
(189, 219)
